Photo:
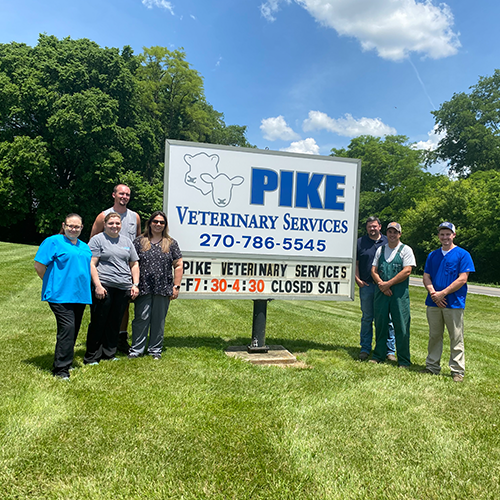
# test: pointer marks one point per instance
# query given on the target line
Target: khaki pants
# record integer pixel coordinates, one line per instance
(454, 320)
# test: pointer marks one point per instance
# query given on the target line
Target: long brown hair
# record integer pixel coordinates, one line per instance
(147, 234)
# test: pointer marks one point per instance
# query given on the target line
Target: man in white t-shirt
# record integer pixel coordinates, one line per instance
(391, 271)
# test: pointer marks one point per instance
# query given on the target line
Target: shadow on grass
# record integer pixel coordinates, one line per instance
(220, 344)
(46, 361)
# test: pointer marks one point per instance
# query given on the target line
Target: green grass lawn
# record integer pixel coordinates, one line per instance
(198, 424)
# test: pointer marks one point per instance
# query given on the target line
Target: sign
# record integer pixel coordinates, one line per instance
(262, 224)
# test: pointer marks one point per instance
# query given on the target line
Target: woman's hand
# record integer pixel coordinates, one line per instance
(175, 293)
(134, 292)
(100, 292)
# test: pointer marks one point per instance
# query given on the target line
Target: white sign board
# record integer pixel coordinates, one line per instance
(262, 224)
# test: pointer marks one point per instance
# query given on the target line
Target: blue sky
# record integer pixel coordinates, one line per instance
(302, 75)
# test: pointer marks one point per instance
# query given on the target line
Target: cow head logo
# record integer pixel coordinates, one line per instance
(203, 174)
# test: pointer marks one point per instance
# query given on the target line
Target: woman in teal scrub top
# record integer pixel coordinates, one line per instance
(63, 263)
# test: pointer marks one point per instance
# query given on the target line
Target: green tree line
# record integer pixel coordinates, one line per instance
(76, 118)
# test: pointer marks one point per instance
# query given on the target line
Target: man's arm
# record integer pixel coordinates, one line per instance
(98, 226)
(359, 281)
(440, 297)
(378, 281)
(139, 231)
(386, 285)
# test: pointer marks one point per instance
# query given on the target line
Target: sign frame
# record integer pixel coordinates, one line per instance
(216, 258)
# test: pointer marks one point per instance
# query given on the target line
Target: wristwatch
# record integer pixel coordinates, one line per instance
(177, 287)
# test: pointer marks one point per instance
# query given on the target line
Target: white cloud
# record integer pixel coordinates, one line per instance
(307, 146)
(277, 128)
(394, 28)
(163, 4)
(432, 142)
(347, 126)
(270, 7)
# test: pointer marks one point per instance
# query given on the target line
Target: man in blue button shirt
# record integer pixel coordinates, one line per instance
(366, 249)
(445, 278)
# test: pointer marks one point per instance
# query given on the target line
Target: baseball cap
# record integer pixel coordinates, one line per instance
(447, 225)
(394, 225)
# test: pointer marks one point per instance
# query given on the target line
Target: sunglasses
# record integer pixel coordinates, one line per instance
(156, 221)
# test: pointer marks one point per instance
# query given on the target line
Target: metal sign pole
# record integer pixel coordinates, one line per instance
(258, 344)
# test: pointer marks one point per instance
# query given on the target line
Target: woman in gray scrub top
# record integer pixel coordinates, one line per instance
(115, 275)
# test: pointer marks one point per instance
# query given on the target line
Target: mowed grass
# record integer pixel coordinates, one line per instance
(198, 424)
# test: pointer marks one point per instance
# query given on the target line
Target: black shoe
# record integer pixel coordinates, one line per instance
(363, 356)
(123, 345)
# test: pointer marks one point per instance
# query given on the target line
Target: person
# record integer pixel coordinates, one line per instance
(131, 226)
(115, 274)
(391, 271)
(158, 254)
(63, 263)
(446, 273)
(366, 248)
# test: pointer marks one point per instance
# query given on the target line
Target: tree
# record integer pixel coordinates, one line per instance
(392, 175)
(173, 94)
(76, 119)
(70, 127)
(473, 205)
(471, 123)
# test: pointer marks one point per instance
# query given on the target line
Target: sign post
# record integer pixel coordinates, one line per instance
(261, 225)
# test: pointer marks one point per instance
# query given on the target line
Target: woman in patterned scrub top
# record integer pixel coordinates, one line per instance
(159, 255)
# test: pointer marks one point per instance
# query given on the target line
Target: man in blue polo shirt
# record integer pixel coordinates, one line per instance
(445, 278)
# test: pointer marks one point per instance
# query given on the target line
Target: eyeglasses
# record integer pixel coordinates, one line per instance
(156, 221)
(74, 228)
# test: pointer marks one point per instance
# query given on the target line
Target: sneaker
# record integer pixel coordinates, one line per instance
(363, 356)
(114, 359)
(93, 363)
(457, 377)
(373, 361)
(405, 367)
(133, 356)
(62, 376)
(391, 357)
(157, 357)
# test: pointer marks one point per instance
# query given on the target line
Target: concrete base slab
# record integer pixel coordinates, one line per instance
(277, 355)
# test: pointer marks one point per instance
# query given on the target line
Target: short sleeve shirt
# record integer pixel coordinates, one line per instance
(115, 256)
(129, 222)
(67, 278)
(444, 270)
(156, 268)
(389, 253)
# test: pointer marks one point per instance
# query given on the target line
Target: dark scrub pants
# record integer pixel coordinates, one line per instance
(397, 306)
(105, 319)
(69, 319)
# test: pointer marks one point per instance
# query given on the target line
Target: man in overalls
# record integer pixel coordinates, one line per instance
(391, 270)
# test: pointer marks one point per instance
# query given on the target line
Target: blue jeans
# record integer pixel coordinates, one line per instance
(366, 296)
